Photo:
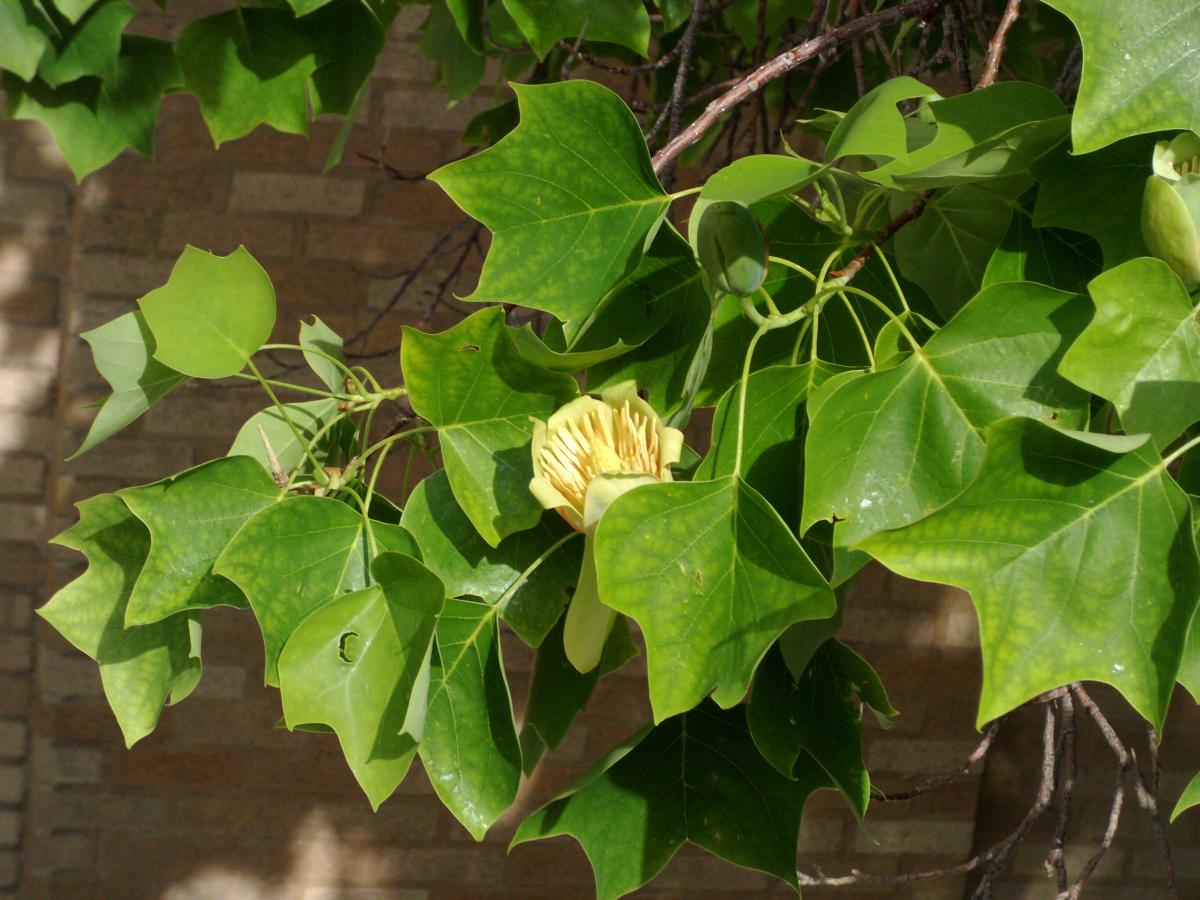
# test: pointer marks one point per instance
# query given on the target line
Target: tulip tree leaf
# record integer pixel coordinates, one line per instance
(713, 576)
(697, 778)
(356, 663)
(91, 120)
(309, 417)
(817, 714)
(470, 747)
(555, 249)
(91, 46)
(528, 574)
(874, 126)
(248, 67)
(1033, 538)
(460, 66)
(297, 555)
(664, 307)
(141, 667)
(544, 22)
(1112, 180)
(773, 451)
(558, 691)
(320, 337)
(123, 352)
(752, 179)
(1142, 349)
(472, 384)
(24, 37)
(191, 517)
(1050, 256)
(1189, 798)
(946, 250)
(981, 134)
(1140, 69)
(213, 313)
(889, 447)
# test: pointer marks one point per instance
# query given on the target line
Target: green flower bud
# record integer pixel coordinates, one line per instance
(1171, 206)
(732, 248)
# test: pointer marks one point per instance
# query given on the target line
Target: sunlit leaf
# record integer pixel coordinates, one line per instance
(296, 555)
(472, 384)
(527, 575)
(1189, 798)
(470, 747)
(554, 248)
(91, 46)
(309, 417)
(357, 662)
(317, 336)
(191, 517)
(1033, 537)
(1142, 349)
(1140, 69)
(886, 448)
(122, 351)
(713, 576)
(141, 667)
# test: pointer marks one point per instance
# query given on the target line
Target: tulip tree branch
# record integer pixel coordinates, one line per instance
(991, 64)
(781, 65)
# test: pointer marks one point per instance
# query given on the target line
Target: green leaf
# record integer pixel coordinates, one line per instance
(817, 714)
(752, 179)
(697, 778)
(527, 575)
(142, 667)
(24, 37)
(1112, 180)
(1033, 538)
(544, 22)
(213, 313)
(90, 47)
(1142, 349)
(1189, 798)
(248, 67)
(296, 555)
(537, 351)
(347, 36)
(73, 9)
(874, 126)
(773, 455)
(992, 133)
(93, 121)
(480, 393)
(557, 249)
(122, 351)
(664, 308)
(309, 417)
(460, 66)
(319, 336)
(889, 447)
(946, 251)
(743, 17)
(1140, 69)
(558, 691)
(1061, 259)
(470, 747)
(713, 576)
(191, 517)
(357, 662)
(468, 18)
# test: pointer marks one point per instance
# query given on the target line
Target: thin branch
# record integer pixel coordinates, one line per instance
(687, 44)
(1056, 859)
(980, 751)
(995, 51)
(781, 65)
(1148, 799)
(997, 854)
(1070, 73)
(864, 256)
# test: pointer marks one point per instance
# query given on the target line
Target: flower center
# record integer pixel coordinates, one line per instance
(606, 441)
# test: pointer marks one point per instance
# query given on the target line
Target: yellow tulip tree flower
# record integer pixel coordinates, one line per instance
(589, 453)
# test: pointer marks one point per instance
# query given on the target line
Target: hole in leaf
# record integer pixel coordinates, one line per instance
(469, 348)
(348, 646)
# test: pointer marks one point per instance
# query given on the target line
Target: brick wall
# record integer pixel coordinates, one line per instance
(218, 802)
